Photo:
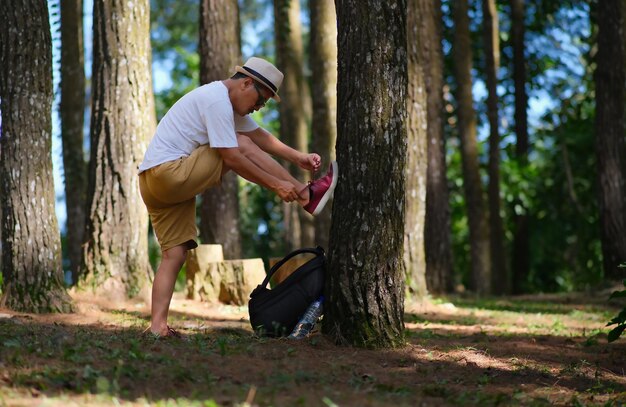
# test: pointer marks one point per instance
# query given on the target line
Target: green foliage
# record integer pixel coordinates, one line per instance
(556, 186)
(154, 250)
(261, 222)
(458, 214)
(620, 319)
(565, 243)
(174, 40)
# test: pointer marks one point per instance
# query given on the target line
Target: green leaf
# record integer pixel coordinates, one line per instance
(619, 319)
(618, 294)
(103, 385)
(12, 343)
(616, 332)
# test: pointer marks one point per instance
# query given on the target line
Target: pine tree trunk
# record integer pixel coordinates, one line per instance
(72, 111)
(365, 286)
(293, 118)
(31, 243)
(323, 54)
(438, 247)
(416, 165)
(476, 214)
(520, 257)
(624, 52)
(499, 277)
(219, 53)
(610, 80)
(115, 257)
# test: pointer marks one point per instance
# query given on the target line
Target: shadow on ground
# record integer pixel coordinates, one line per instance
(221, 360)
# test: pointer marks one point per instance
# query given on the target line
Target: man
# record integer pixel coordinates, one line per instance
(204, 135)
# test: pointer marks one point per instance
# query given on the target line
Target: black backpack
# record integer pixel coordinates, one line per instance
(276, 312)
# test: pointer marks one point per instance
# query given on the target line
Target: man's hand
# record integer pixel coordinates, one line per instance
(311, 162)
(286, 191)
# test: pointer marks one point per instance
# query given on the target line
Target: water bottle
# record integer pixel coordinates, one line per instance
(308, 320)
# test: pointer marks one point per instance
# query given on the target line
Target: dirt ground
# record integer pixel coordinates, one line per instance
(541, 350)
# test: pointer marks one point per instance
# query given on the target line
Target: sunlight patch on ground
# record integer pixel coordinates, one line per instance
(500, 318)
(476, 357)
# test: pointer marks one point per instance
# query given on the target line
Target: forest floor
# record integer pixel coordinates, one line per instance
(534, 350)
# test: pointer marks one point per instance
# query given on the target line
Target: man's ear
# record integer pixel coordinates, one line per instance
(246, 83)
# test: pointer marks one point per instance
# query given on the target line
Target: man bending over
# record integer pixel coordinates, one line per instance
(204, 135)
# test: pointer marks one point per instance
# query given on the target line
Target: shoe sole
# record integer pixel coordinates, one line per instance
(329, 192)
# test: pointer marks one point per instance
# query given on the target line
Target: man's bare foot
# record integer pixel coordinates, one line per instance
(163, 333)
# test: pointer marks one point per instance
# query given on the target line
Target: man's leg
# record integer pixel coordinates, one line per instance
(163, 287)
(264, 161)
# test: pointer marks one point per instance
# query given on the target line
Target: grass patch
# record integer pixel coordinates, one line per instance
(474, 357)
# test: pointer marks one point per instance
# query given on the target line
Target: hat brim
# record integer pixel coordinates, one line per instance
(248, 74)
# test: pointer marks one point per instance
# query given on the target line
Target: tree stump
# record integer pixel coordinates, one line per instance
(211, 278)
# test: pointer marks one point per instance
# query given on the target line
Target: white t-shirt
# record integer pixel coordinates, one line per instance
(203, 116)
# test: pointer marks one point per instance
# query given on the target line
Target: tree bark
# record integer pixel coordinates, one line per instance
(323, 54)
(610, 80)
(72, 112)
(365, 285)
(438, 247)
(492, 65)
(294, 93)
(477, 218)
(115, 257)
(416, 162)
(31, 243)
(219, 53)
(521, 240)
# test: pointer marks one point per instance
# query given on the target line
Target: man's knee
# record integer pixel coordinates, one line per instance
(176, 253)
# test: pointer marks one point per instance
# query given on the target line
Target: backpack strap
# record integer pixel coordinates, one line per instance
(318, 251)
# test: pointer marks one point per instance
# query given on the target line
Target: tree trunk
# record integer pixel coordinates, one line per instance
(31, 243)
(299, 229)
(499, 277)
(610, 80)
(323, 54)
(115, 257)
(416, 162)
(438, 248)
(365, 288)
(521, 243)
(72, 111)
(219, 53)
(476, 214)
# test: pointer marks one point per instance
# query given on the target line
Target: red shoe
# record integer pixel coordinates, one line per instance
(321, 190)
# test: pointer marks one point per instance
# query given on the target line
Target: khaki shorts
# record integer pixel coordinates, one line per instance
(169, 191)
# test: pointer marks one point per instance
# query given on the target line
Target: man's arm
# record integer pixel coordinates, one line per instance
(236, 161)
(273, 146)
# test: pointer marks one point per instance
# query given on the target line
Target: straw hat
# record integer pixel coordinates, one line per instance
(263, 72)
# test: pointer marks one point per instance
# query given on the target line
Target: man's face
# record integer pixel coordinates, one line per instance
(255, 96)
(252, 96)
(263, 95)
